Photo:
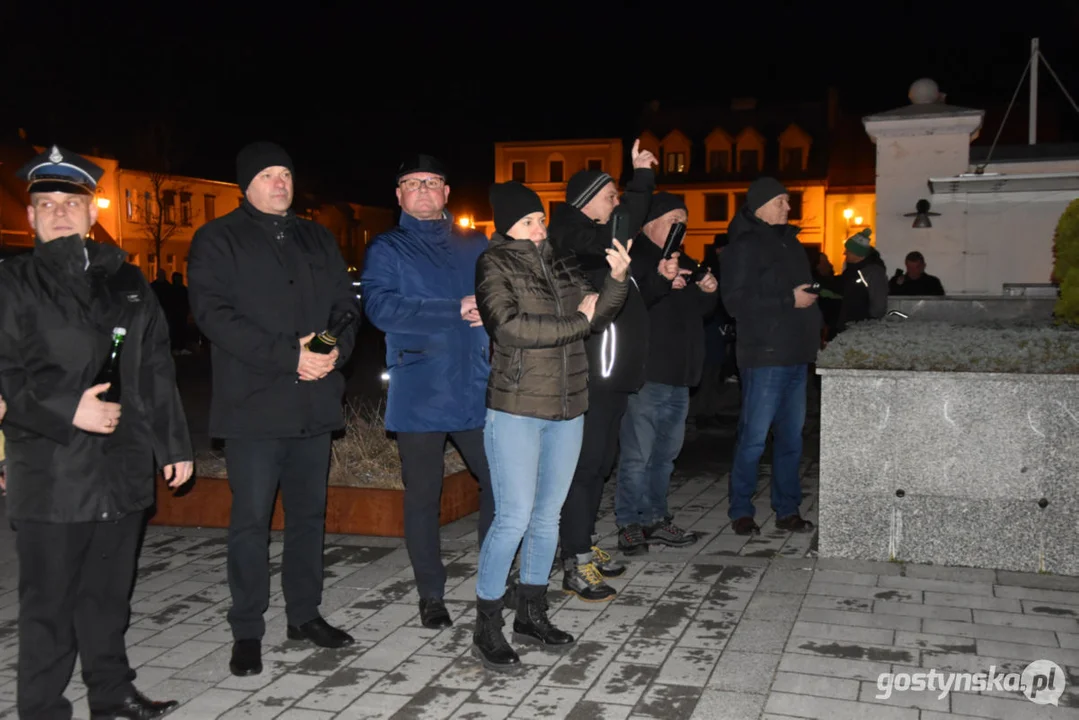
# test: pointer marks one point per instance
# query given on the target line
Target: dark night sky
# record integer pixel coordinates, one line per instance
(348, 92)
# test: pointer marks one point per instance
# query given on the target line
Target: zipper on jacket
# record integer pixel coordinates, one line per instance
(565, 356)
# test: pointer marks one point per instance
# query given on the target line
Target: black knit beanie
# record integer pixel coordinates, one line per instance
(255, 158)
(762, 191)
(663, 203)
(584, 186)
(511, 201)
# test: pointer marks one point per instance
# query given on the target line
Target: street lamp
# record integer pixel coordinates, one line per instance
(848, 214)
(921, 215)
(102, 201)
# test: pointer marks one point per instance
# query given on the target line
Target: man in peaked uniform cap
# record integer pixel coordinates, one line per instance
(78, 513)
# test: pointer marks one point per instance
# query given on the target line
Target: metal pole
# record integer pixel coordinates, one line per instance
(1035, 61)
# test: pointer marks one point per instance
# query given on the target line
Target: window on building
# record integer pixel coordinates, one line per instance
(792, 159)
(129, 206)
(719, 161)
(517, 171)
(796, 206)
(168, 205)
(151, 265)
(185, 208)
(208, 209)
(554, 204)
(716, 207)
(739, 201)
(147, 206)
(676, 162)
(595, 164)
(133, 258)
(749, 161)
(556, 171)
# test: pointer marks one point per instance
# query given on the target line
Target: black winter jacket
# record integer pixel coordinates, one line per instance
(761, 267)
(617, 356)
(257, 284)
(56, 322)
(676, 319)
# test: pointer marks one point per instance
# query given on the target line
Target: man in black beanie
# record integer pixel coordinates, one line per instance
(580, 230)
(262, 282)
(653, 429)
(765, 275)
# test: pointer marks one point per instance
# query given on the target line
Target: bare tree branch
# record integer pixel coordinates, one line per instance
(163, 216)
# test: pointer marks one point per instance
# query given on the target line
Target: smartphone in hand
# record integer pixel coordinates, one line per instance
(620, 226)
(675, 236)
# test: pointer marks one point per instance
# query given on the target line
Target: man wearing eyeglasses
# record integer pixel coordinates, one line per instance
(419, 285)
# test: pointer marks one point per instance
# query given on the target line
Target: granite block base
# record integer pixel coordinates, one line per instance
(968, 469)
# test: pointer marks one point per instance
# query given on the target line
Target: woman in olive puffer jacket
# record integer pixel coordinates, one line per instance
(537, 312)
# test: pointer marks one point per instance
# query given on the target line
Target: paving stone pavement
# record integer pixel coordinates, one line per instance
(728, 629)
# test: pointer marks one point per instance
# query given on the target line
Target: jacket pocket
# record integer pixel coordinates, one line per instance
(518, 365)
(410, 357)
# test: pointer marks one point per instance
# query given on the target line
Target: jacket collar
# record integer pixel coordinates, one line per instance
(74, 256)
(439, 227)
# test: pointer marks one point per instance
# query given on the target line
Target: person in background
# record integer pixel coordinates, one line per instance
(704, 400)
(915, 281)
(581, 230)
(178, 314)
(765, 278)
(419, 284)
(863, 284)
(653, 428)
(537, 311)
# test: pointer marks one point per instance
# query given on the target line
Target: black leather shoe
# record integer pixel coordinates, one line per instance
(321, 633)
(246, 658)
(135, 707)
(434, 615)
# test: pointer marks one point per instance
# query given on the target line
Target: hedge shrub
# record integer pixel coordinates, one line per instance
(1066, 264)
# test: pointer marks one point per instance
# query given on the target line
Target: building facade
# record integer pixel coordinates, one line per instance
(995, 210)
(710, 156)
(154, 216)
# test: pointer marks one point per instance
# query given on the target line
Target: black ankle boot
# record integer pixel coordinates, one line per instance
(532, 624)
(489, 644)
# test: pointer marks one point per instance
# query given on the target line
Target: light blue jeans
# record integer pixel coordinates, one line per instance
(532, 464)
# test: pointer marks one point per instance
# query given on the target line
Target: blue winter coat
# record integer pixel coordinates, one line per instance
(414, 277)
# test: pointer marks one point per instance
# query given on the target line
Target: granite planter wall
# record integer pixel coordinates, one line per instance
(970, 308)
(953, 468)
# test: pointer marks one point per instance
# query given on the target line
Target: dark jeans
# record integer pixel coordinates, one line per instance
(255, 468)
(772, 397)
(74, 583)
(652, 434)
(599, 449)
(422, 470)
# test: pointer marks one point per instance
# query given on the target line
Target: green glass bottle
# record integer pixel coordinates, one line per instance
(110, 371)
(326, 341)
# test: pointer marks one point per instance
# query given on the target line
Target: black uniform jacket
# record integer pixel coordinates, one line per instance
(56, 322)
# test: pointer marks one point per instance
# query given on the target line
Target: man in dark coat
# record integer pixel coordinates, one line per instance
(262, 282)
(580, 230)
(765, 276)
(653, 429)
(419, 283)
(80, 463)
